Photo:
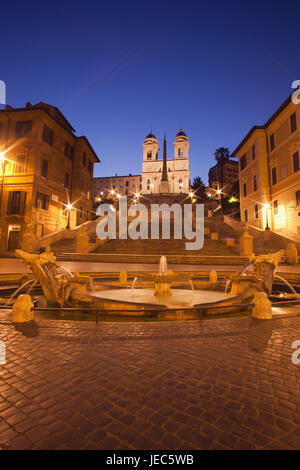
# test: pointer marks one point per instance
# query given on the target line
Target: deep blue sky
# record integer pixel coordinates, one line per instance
(117, 69)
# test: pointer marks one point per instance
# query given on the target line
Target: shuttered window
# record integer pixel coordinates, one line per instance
(16, 202)
(48, 135)
(23, 129)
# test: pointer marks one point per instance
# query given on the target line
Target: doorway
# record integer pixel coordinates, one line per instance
(13, 237)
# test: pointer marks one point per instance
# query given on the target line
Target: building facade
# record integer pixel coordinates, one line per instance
(178, 173)
(43, 167)
(124, 185)
(269, 176)
(149, 182)
(230, 174)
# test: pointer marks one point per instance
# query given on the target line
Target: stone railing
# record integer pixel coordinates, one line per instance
(33, 244)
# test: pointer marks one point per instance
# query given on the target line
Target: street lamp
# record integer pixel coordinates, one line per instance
(69, 208)
(267, 207)
(3, 162)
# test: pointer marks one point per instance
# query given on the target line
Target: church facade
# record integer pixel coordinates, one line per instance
(159, 175)
(177, 168)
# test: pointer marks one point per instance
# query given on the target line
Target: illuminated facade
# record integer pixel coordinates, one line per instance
(230, 175)
(123, 185)
(269, 176)
(43, 166)
(177, 168)
(149, 182)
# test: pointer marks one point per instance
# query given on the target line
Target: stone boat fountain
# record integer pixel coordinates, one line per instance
(62, 289)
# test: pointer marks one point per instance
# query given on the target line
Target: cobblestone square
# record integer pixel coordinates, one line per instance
(213, 384)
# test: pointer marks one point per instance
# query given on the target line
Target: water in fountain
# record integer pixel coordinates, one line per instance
(163, 266)
(286, 283)
(227, 285)
(132, 285)
(31, 281)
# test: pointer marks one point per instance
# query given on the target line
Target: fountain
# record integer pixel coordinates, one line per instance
(62, 289)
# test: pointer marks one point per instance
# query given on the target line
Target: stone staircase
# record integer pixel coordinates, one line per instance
(263, 241)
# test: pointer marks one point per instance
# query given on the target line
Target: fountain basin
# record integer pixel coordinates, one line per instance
(179, 297)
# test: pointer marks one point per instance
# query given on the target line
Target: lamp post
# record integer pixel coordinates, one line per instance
(3, 162)
(267, 207)
(69, 208)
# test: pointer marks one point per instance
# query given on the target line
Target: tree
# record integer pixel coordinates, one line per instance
(222, 155)
(199, 187)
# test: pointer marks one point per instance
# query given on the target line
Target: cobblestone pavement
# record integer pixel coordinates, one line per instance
(218, 384)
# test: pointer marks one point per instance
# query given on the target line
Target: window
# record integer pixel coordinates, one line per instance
(275, 207)
(16, 202)
(48, 135)
(80, 212)
(274, 175)
(84, 159)
(296, 161)
(149, 155)
(283, 171)
(246, 215)
(69, 151)
(180, 153)
(23, 129)
(45, 168)
(256, 211)
(90, 167)
(245, 189)
(148, 185)
(243, 162)
(20, 164)
(293, 123)
(42, 201)
(272, 141)
(127, 183)
(67, 181)
(254, 183)
(253, 152)
(297, 198)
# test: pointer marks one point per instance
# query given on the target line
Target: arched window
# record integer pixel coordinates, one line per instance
(148, 185)
(149, 155)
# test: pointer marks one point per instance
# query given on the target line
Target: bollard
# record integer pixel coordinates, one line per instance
(262, 306)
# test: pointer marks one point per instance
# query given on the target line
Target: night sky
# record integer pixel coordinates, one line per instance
(118, 69)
